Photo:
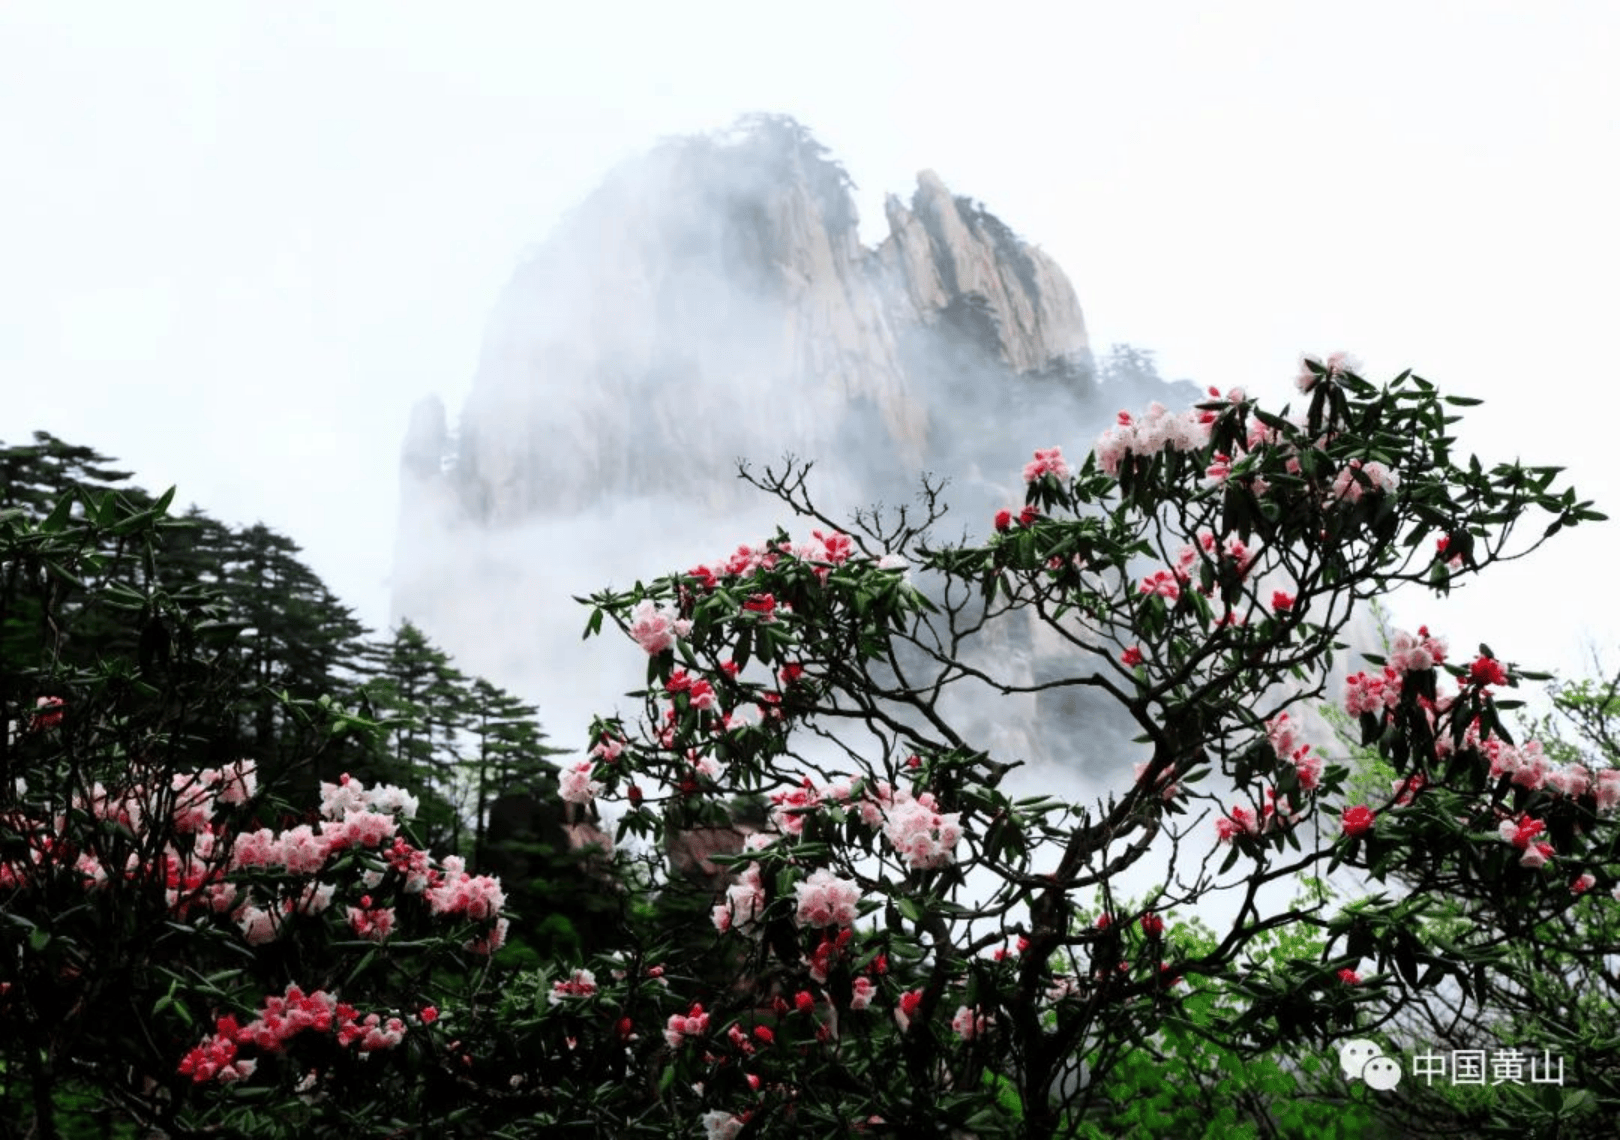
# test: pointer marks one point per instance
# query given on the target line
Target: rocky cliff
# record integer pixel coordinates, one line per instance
(712, 301)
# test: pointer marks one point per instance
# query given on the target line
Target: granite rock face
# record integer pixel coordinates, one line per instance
(712, 301)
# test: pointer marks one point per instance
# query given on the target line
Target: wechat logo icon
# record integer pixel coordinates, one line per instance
(1361, 1059)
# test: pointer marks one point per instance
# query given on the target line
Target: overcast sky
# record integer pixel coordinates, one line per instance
(237, 241)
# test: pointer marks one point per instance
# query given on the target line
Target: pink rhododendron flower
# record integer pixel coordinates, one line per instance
(694, 1023)
(862, 993)
(826, 900)
(575, 784)
(1239, 821)
(1349, 977)
(968, 1023)
(1348, 486)
(745, 902)
(922, 835)
(1409, 654)
(581, 983)
(1161, 583)
(1374, 694)
(609, 748)
(238, 782)
(1607, 791)
(1583, 884)
(1047, 462)
(1153, 432)
(1534, 767)
(1536, 855)
(652, 626)
(375, 924)
(1336, 365)
(258, 926)
(789, 808)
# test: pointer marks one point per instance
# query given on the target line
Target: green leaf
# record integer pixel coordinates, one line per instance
(58, 517)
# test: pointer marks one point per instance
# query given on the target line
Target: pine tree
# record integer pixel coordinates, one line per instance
(425, 702)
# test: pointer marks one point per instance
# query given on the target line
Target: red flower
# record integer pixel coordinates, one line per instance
(1487, 671)
(1349, 977)
(1027, 516)
(1132, 657)
(1358, 820)
(48, 712)
(803, 1001)
(761, 603)
(1152, 925)
(429, 1015)
(1003, 520)
(1281, 601)
(763, 1032)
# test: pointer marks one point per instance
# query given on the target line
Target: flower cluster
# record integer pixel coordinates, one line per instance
(1155, 431)
(693, 1023)
(921, 834)
(1356, 478)
(575, 783)
(1410, 653)
(1046, 462)
(1367, 693)
(47, 712)
(580, 984)
(1358, 820)
(1312, 370)
(655, 627)
(1522, 833)
(969, 1023)
(1239, 821)
(1283, 734)
(745, 902)
(826, 900)
(280, 1020)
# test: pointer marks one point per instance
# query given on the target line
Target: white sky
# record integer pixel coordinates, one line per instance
(238, 241)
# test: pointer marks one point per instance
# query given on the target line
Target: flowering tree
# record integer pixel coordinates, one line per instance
(1191, 563)
(177, 944)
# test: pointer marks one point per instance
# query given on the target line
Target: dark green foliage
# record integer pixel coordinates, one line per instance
(182, 643)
